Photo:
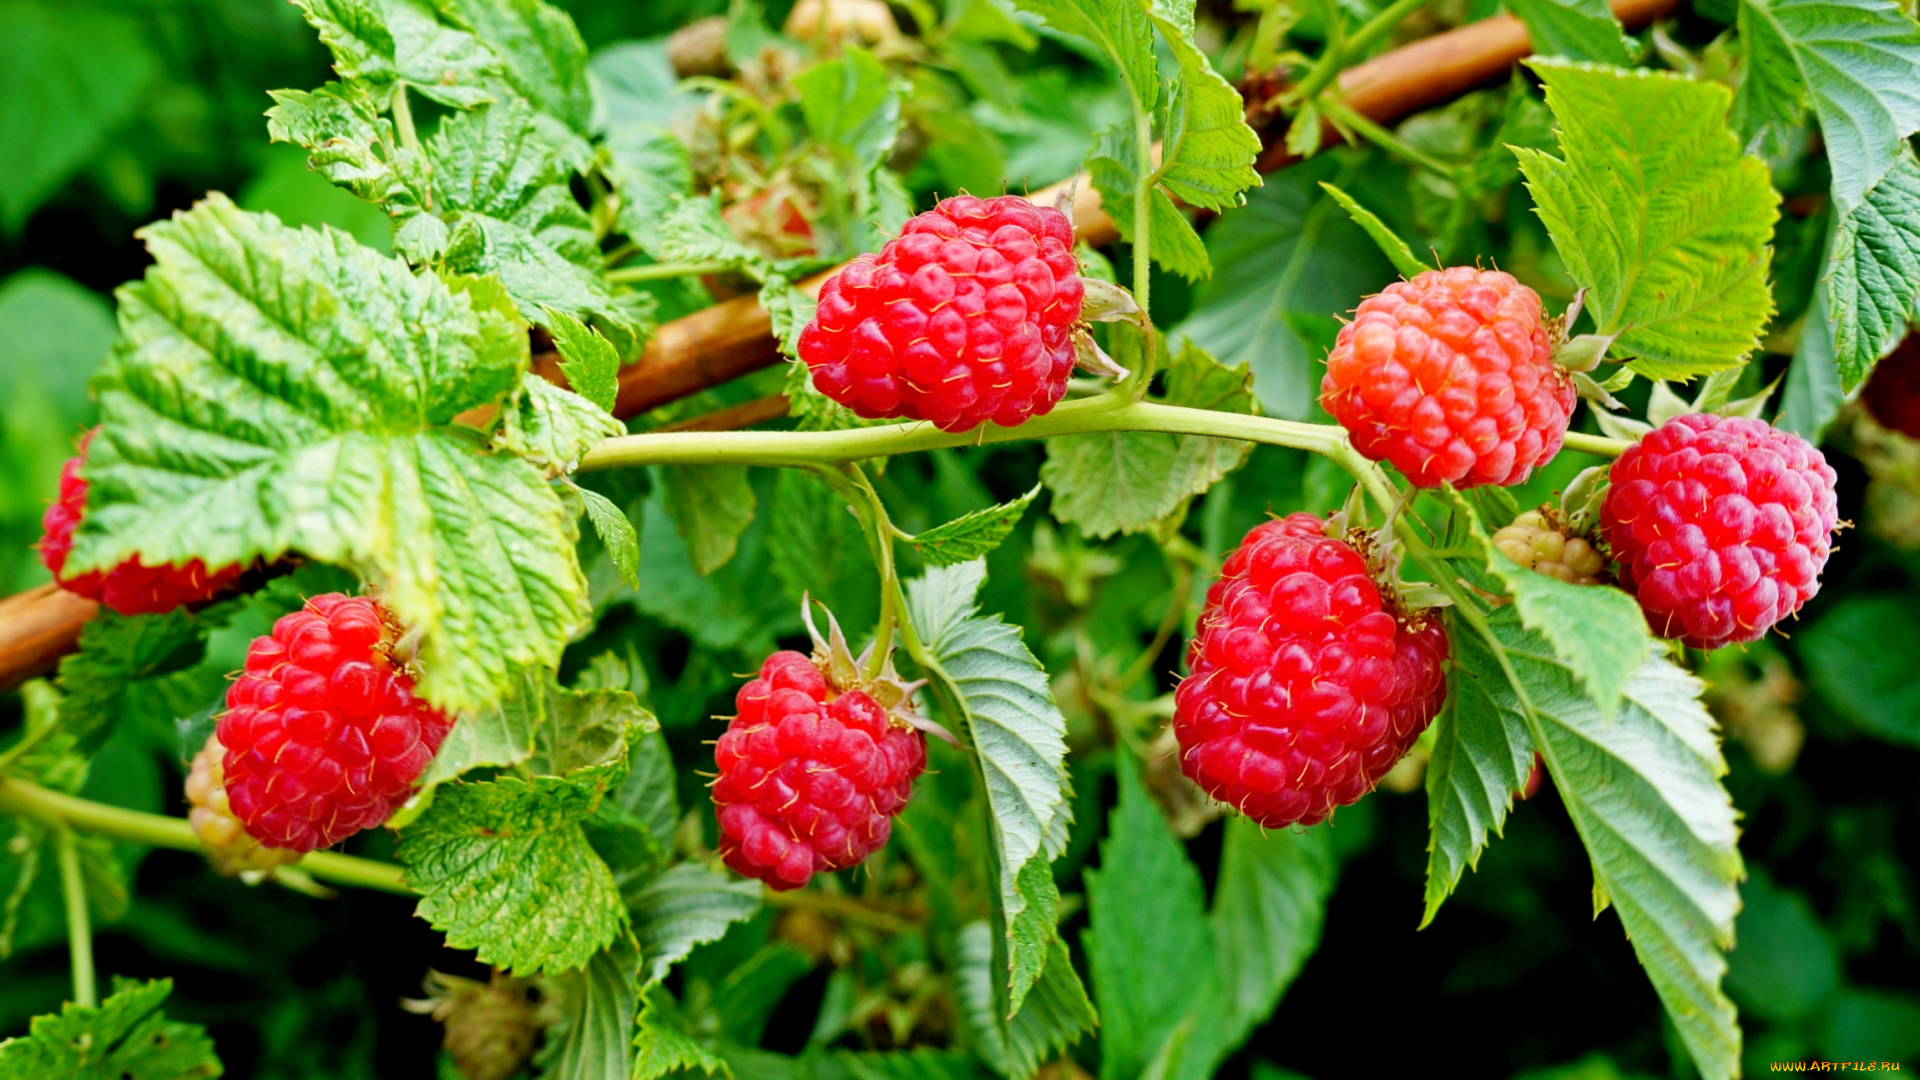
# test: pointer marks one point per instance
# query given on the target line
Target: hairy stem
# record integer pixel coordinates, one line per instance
(841, 907)
(403, 118)
(1137, 382)
(86, 992)
(1342, 113)
(880, 530)
(663, 271)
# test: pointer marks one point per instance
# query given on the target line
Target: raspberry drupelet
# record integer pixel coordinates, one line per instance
(1721, 526)
(324, 734)
(966, 317)
(1307, 685)
(1450, 377)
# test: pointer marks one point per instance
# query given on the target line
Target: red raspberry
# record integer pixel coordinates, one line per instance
(967, 317)
(1451, 378)
(809, 780)
(324, 735)
(1305, 687)
(1892, 392)
(132, 588)
(1721, 526)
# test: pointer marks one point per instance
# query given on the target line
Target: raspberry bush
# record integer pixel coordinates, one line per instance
(463, 497)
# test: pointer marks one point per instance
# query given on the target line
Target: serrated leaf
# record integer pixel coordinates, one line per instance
(1269, 905)
(115, 653)
(126, 1037)
(554, 428)
(818, 548)
(972, 536)
(542, 56)
(728, 609)
(711, 505)
(1172, 240)
(384, 43)
(1575, 29)
(788, 309)
(1054, 1016)
(1770, 95)
(617, 533)
(851, 106)
(1133, 481)
(1119, 29)
(683, 907)
(1658, 214)
(661, 1047)
(350, 143)
(633, 828)
(593, 1038)
(1876, 272)
(589, 361)
(282, 390)
(921, 1064)
(1856, 59)
(1390, 245)
(1018, 735)
(500, 736)
(1207, 149)
(504, 868)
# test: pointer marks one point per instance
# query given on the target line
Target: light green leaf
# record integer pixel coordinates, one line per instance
(1856, 59)
(650, 169)
(1770, 96)
(1394, 248)
(1054, 1016)
(683, 907)
(384, 43)
(1575, 29)
(1871, 685)
(554, 428)
(1658, 214)
(1207, 149)
(662, 1047)
(541, 54)
(126, 1037)
(617, 533)
(282, 390)
(591, 365)
(593, 1039)
(1812, 397)
(1018, 735)
(850, 105)
(74, 75)
(1876, 271)
(1174, 243)
(351, 144)
(788, 309)
(972, 536)
(500, 736)
(1119, 29)
(711, 506)
(1135, 481)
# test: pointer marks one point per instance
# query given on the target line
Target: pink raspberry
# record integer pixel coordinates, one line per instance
(810, 779)
(323, 732)
(1450, 377)
(1306, 686)
(132, 588)
(1721, 526)
(967, 317)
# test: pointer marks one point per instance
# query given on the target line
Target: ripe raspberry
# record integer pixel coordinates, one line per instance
(1537, 541)
(1451, 378)
(810, 776)
(132, 588)
(1307, 685)
(967, 317)
(225, 840)
(1892, 393)
(1720, 525)
(324, 735)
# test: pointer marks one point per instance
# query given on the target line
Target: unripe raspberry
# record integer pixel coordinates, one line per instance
(1721, 526)
(323, 732)
(1307, 684)
(966, 317)
(1537, 542)
(131, 588)
(1450, 377)
(810, 776)
(222, 837)
(490, 1026)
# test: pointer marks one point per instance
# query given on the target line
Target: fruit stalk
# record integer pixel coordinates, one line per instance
(73, 888)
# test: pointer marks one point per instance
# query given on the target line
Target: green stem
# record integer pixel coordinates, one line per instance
(403, 118)
(621, 254)
(1134, 386)
(56, 810)
(1334, 59)
(86, 992)
(26, 745)
(662, 271)
(839, 906)
(1381, 25)
(1331, 60)
(880, 532)
(1393, 144)
(1597, 445)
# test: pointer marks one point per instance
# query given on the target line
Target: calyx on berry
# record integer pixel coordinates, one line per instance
(845, 673)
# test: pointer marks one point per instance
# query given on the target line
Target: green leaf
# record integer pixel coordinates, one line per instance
(554, 428)
(1658, 214)
(972, 536)
(683, 907)
(1150, 948)
(1054, 1015)
(1269, 904)
(126, 1037)
(1876, 272)
(728, 609)
(1871, 686)
(1018, 734)
(387, 43)
(851, 106)
(616, 531)
(1127, 481)
(500, 736)
(75, 75)
(591, 365)
(1575, 29)
(1172, 240)
(817, 547)
(1394, 248)
(711, 506)
(281, 390)
(116, 653)
(1856, 59)
(541, 53)
(633, 828)
(1119, 29)
(1769, 96)
(504, 868)
(1812, 397)
(351, 144)
(1207, 149)
(662, 1047)
(593, 1039)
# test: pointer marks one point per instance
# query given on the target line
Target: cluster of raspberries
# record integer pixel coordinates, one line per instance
(966, 317)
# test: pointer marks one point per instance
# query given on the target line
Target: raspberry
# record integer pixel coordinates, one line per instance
(967, 317)
(1720, 525)
(1451, 378)
(228, 847)
(132, 588)
(1536, 541)
(810, 777)
(1892, 393)
(323, 732)
(1306, 685)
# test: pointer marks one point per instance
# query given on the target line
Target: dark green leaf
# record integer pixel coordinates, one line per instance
(1055, 1014)
(817, 547)
(685, 906)
(116, 653)
(1394, 248)
(593, 1039)
(1575, 29)
(972, 536)
(1876, 271)
(1812, 397)
(1872, 686)
(617, 533)
(711, 505)
(126, 1037)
